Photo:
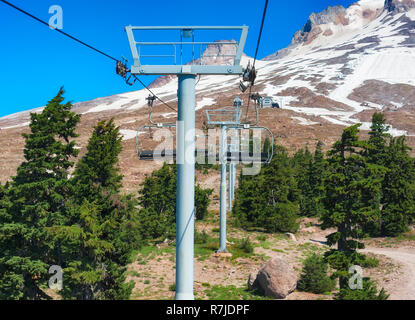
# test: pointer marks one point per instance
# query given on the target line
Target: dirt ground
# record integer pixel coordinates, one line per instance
(154, 276)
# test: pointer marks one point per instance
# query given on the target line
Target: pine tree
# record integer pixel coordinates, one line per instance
(377, 144)
(352, 200)
(353, 190)
(317, 173)
(310, 182)
(103, 229)
(158, 202)
(398, 189)
(269, 200)
(314, 276)
(301, 162)
(398, 186)
(368, 292)
(375, 153)
(97, 175)
(37, 198)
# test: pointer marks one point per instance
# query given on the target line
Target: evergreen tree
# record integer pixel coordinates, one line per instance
(311, 182)
(353, 190)
(158, 202)
(398, 189)
(37, 197)
(97, 174)
(378, 135)
(317, 175)
(103, 227)
(376, 154)
(301, 162)
(314, 276)
(368, 292)
(269, 200)
(398, 186)
(352, 200)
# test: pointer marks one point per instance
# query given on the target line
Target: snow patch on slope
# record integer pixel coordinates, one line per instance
(393, 67)
(371, 4)
(411, 14)
(303, 121)
(205, 102)
(16, 126)
(128, 134)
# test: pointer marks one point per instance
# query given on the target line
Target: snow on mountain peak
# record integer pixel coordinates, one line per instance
(335, 23)
(370, 4)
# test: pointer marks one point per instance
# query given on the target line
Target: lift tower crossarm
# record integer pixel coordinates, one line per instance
(139, 69)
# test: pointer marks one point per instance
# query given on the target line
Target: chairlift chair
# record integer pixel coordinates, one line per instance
(230, 117)
(148, 154)
(267, 151)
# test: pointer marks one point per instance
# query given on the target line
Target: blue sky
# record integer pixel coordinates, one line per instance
(35, 61)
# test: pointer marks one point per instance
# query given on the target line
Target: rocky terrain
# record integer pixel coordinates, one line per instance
(276, 262)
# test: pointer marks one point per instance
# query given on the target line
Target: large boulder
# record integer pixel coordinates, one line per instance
(276, 278)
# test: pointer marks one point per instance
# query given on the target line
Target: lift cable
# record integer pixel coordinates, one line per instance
(255, 58)
(82, 43)
(260, 32)
(149, 90)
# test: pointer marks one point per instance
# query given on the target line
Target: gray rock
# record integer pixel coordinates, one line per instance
(291, 236)
(276, 279)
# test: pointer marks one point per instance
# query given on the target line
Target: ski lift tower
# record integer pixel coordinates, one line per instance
(185, 205)
(225, 118)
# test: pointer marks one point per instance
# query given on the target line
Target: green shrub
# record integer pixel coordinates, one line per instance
(212, 246)
(261, 237)
(369, 292)
(314, 276)
(282, 218)
(269, 200)
(245, 245)
(201, 237)
(158, 203)
(172, 287)
(233, 293)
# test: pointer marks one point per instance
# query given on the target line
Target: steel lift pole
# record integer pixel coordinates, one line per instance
(225, 118)
(232, 170)
(234, 166)
(230, 187)
(233, 148)
(223, 210)
(185, 204)
(231, 167)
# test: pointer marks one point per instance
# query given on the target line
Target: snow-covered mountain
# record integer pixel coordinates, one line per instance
(362, 57)
(341, 66)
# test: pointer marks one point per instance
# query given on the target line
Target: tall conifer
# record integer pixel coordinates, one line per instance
(37, 195)
(352, 200)
(103, 229)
